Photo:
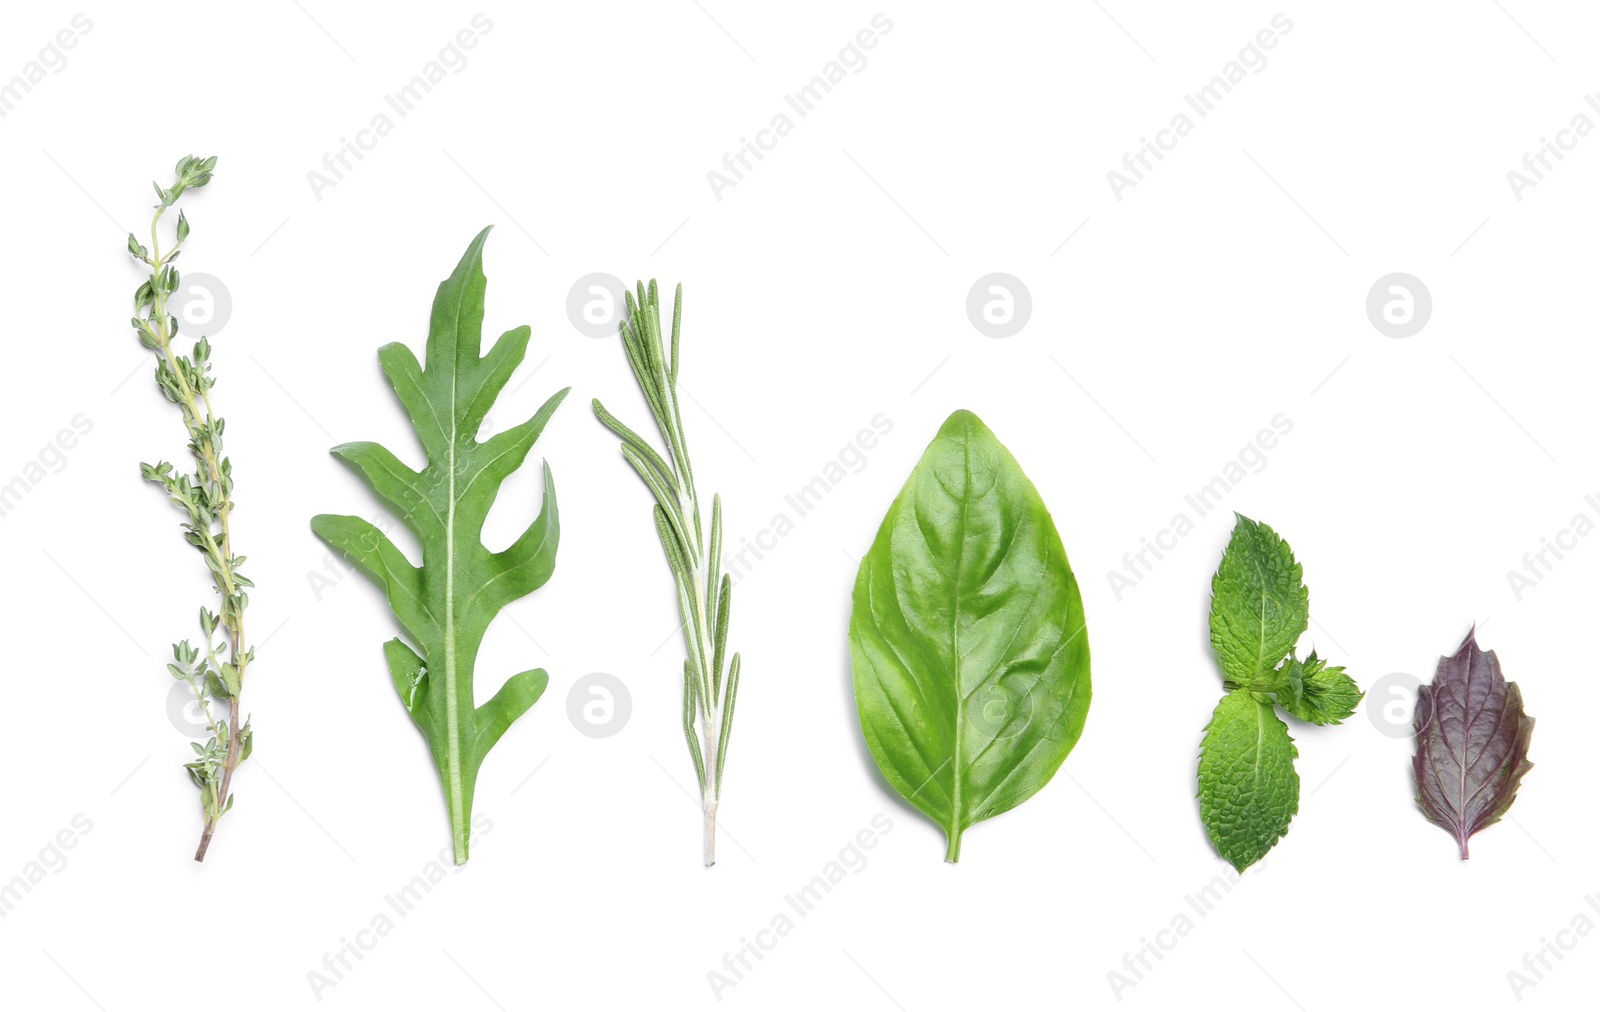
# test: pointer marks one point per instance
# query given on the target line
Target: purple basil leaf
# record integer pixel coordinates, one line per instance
(1472, 743)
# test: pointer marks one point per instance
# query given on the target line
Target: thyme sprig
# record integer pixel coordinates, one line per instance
(705, 593)
(215, 674)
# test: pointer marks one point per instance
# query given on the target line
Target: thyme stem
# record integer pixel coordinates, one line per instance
(206, 496)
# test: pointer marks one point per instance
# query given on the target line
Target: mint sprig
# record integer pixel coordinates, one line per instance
(1249, 790)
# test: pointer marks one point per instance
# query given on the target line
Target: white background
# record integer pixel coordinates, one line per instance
(827, 287)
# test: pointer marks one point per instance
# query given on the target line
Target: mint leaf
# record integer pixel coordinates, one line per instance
(1315, 692)
(1259, 607)
(1248, 787)
(1287, 683)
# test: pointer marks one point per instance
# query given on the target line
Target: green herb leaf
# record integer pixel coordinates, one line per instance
(1259, 607)
(1315, 692)
(205, 497)
(445, 605)
(1249, 789)
(967, 638)
(704, 591)
(1248, 786)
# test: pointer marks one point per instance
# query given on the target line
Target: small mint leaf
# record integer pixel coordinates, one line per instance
(1323, 694)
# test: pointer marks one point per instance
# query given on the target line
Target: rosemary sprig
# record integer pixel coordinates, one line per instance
(206, 496)
(704, 591)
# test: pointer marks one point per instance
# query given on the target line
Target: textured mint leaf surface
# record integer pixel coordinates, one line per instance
(1249, 789)
(967, 641)
(1316, 692)
(1259, 606)
(1472, 743)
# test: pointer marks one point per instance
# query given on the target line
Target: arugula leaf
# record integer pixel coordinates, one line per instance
(967, 640)
(1249, 789)
(445, 605)
(1472, 743)
(1259, 607)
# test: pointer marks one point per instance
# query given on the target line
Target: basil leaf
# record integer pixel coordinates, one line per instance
(1472, 743)
(1249, 789)
(1259, 606)
(967, 639)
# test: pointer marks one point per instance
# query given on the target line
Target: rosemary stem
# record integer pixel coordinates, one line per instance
(711, 833)
(693, 553)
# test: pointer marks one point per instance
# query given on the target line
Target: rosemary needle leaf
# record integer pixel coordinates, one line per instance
(703, 589)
